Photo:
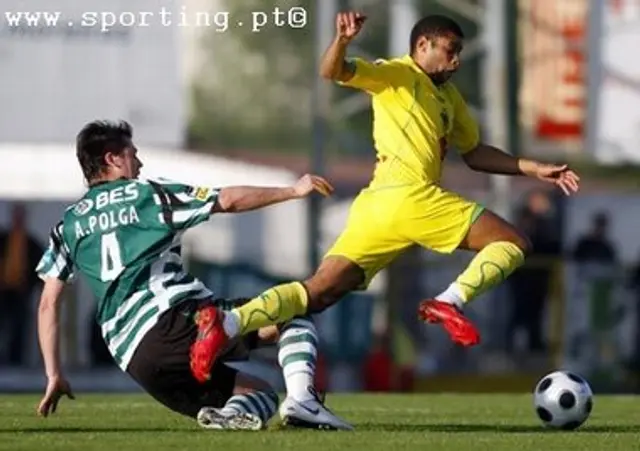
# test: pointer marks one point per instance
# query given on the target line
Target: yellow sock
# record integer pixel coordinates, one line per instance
(489, 267)
(274, 306)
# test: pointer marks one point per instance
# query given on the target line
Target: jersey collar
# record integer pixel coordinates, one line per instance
(104, 182)
(411, 63)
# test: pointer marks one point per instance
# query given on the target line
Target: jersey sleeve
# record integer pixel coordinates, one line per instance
(465, 135)
(55, 261)
(372, 77)
(183, 206)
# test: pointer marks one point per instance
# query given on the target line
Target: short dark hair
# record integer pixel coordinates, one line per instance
(434, 26)
(98, 138)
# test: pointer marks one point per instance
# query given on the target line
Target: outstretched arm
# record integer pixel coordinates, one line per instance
(237, 199)
(185, 206)
(482, 157)
(486, 158)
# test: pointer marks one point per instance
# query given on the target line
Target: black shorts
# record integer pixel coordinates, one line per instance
(161, 366)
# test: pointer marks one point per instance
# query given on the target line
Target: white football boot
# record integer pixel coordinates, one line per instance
(210, 418)
(311, 414)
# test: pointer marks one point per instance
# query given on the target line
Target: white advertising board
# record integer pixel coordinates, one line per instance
(67, 62)
(614, 74)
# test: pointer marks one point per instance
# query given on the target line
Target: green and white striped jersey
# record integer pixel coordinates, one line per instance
(124, 237)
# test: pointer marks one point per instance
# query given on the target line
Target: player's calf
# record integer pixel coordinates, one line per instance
(501, 250)
(490, 228)
(334, 279)
(297, 355)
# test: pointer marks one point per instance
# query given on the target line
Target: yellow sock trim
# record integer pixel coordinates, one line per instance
(274, 306)
(491, 266)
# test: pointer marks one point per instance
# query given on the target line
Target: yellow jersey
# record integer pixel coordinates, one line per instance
(414, 121)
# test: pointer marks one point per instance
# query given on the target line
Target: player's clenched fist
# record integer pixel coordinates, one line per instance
(309, 183)
(349, 24)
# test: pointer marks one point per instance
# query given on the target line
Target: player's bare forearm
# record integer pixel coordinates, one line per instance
(49, 327)
(237, 199)
(49, 338)
(333, 65)
(486, 158)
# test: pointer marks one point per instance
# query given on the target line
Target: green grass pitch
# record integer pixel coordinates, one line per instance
(383, 422)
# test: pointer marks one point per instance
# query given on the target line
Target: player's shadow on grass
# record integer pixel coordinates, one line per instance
(489, 428)
(92, 430)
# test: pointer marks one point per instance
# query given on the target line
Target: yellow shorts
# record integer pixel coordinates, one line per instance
(384, 222)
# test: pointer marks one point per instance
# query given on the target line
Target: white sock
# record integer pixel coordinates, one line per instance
(231, 323)
(297, 354)
(452, 295)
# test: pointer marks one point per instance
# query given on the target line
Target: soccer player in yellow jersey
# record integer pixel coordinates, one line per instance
(418, 115)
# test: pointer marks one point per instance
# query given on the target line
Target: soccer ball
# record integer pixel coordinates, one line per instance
(563, 400)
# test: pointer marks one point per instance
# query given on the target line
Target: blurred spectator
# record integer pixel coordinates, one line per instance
(595, 246)
(530, 284)
(19, 255)
(540, 205)
(634, 285)
(378, 367)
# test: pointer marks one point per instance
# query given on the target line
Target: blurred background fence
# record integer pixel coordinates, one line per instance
(216, 102)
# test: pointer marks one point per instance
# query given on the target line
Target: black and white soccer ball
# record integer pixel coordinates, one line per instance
(563, 400)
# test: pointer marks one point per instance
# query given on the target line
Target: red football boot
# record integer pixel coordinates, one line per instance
(209, 343)
(459, 328)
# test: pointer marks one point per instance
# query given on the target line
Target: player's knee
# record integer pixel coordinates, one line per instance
(269, 335)
(334, 279)
(299, 323)
(321, 295)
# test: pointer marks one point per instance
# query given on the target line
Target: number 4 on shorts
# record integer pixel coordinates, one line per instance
(110, 258)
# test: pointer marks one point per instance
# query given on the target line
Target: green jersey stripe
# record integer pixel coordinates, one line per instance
(125, 314)
(136, 336)
(162, 301)
(126, 330)
(204, 211)
(181, 217)
(123, 308)
(142, 326)
(55, 262)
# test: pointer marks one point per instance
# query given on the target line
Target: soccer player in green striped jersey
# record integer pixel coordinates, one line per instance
(159, 322)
